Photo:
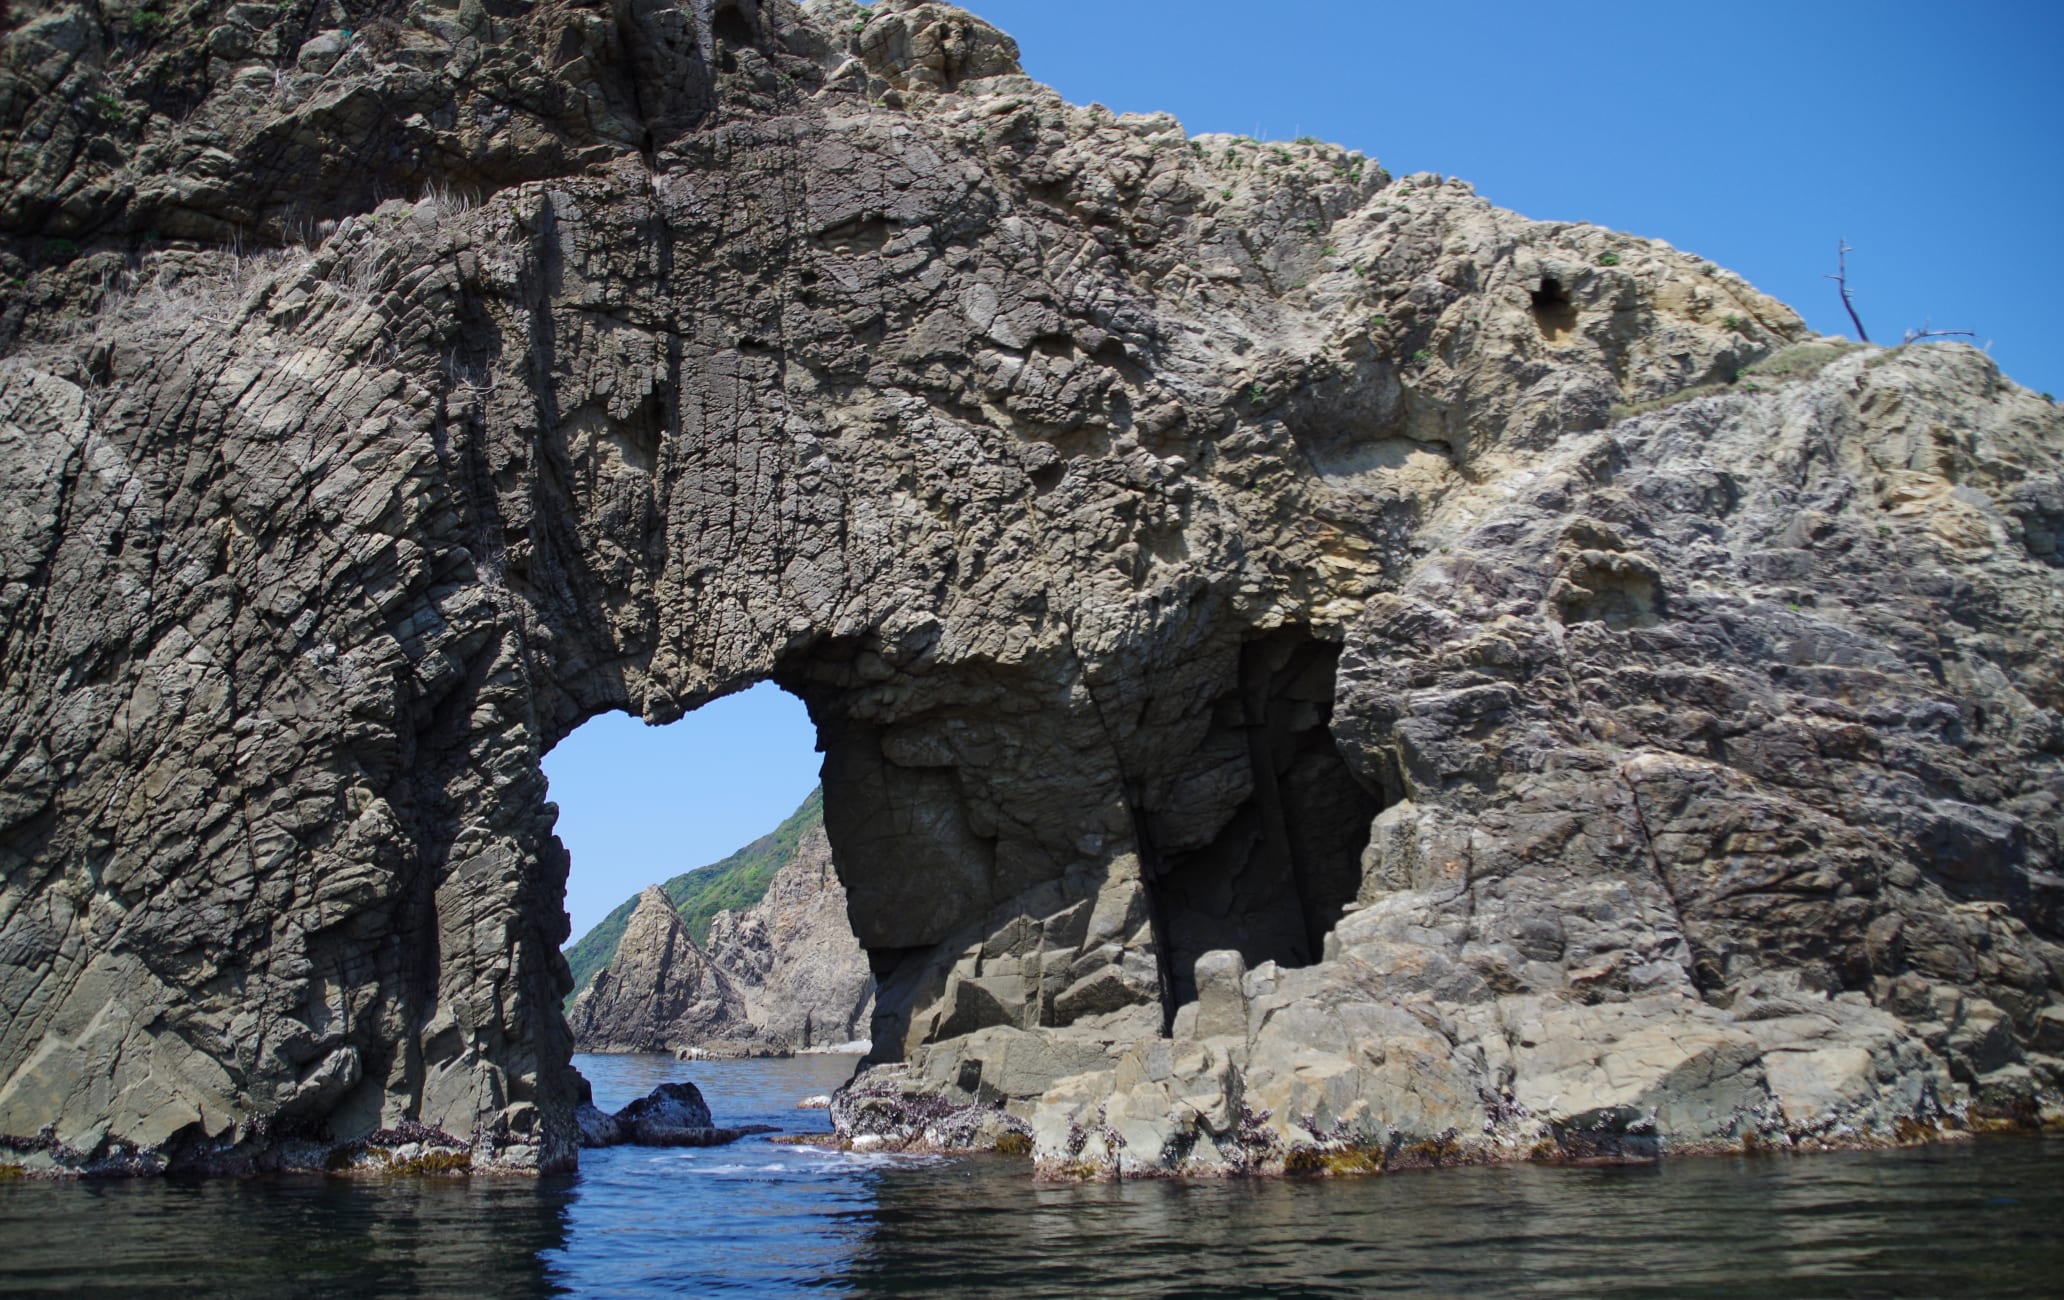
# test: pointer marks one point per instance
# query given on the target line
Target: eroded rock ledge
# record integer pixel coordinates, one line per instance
(1307, 662)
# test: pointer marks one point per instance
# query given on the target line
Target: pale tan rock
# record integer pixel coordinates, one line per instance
(804, 977)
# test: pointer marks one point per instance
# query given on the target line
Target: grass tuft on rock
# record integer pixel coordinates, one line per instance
(1786, 365)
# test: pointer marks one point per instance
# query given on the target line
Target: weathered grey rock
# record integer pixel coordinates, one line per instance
(1221, 1002)
(597, 1127)
(783, 975)
(671, 1115)
(1145, 520)
(804, 977)
(670, 1105)
(661, 989)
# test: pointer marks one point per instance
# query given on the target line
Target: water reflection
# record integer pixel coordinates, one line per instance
(1957, 1220)
(281, 1236)
(762, 1218)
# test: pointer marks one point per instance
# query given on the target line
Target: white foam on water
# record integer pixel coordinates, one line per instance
(875, 1159)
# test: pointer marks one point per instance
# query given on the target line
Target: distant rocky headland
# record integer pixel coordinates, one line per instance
(779, 973)
(1316, 673)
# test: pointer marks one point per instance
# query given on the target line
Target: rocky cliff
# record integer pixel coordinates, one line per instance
(806, 978)
(784, 974)
(1313, 670)
(731, 884)
(659, 989)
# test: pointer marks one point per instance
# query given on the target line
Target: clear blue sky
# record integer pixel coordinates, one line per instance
(1754, 133)
(638, 804)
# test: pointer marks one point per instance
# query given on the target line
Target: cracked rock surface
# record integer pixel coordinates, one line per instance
(1314, 672)
(806, 980)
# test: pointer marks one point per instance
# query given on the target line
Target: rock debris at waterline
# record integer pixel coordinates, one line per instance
(671, 1115)
(1595, 714)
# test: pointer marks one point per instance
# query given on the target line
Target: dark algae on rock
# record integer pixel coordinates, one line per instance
(1292, 685)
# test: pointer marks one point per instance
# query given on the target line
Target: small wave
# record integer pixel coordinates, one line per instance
(874, 1159)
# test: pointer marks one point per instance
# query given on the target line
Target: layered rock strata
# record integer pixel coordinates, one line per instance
(1571, 705)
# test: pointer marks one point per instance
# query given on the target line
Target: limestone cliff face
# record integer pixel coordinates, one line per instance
(660, 990)
(1284, 638)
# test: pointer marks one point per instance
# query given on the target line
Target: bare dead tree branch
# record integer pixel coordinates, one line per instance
(1841, 277)
(1924, 332)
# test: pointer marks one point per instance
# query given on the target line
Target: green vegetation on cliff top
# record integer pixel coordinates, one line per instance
(737, 882)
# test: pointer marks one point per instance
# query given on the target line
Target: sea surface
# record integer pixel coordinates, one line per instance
(1979, 1218)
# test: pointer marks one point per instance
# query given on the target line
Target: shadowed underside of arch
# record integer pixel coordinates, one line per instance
(1143, 521)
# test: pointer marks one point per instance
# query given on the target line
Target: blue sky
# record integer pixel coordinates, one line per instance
(638, 804)
(1754, 133)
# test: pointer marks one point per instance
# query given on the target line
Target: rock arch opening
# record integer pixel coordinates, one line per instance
(725, 930)
(1268, 855)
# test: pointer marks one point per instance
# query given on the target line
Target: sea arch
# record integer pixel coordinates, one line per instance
(339, 576)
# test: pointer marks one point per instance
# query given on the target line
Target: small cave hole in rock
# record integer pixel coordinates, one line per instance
(1553, 311)
(732, 30)
(707, 918)
(731, 26)
(1266, 854)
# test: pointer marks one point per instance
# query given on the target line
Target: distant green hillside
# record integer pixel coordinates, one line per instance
(737, 882)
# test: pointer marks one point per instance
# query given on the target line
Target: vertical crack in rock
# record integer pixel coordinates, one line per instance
(1702, 969)
(1153, 869)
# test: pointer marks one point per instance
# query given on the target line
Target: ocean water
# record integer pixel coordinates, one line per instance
(758, 1218)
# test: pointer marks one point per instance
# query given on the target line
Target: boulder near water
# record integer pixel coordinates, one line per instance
(671, 1115)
